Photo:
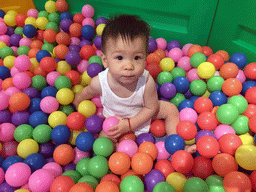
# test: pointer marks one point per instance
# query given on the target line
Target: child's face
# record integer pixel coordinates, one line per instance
(125, 58)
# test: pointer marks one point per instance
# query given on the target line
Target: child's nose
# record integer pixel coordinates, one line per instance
(128, 66)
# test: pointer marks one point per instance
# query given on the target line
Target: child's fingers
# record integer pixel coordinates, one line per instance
(113, 133)
(113, 128)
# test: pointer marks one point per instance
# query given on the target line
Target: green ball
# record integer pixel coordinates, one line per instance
(163, 187)
(48, 47)
(131, 183)
(215, 183)
(42, 14)
(95, 59)
(177, 71)
(42, 133)
(103, 146)
(195, 184)
(197, 87)
(177, 99)
(62, 82)
(23, 132)
(98, 166)
(52, 25)
(82, 166)
(241, 125)
(240, 102)
(67, 109)
(89, 180)
(54, 17)
(38, 82)
(163, 77)
(227, 114)
(215, 83)
(6, 51)
(19, 30)
(74, 175)
(196, 59)
(23, 50)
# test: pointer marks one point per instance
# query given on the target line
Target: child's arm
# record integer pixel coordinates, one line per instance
(88, 92)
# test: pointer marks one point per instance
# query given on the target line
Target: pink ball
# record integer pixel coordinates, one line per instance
(128, 146)
(192, 75)
(41, 180)
(222, 130)
(98, 52)
(5, 39)
(185, 48)
(99, 112)
(1, 175)
(80, 155)
(54, 167)
(49, 104)
(161, 43)
(74, 41)
(25, 42)
(9, 148)
(184, 63)
(108, 123)
(88, 11)
(22, 63)
(4, 100)
(21, 80)
(88, 21)
(17, 174)
(1, 84)
(15, 50)
(6, 132)
(188, 114)
(3, 28)
(26, 186)
(82, 66)
(96, 100)
(11, 90)
(2, 20)
(14, 71)
(32, 13)
(175, 54)
(162, 153)
(241, 76)
(51, 77)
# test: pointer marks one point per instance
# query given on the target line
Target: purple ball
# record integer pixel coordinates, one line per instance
(97, 42)
(20, 117)
(57, 60)
(143, 137)
(203, 133)
(163, 99)
(188, 94)
(65, 24)
(94, 69)
(173, 44)
(152, 178)
(5, 187)
(49, 160)
(46, 149)
(10, 31)
(75, 48)
(152, 45)
(32, 92)
(5, 117)
(85, 42)
(70, 166)
(101, 20)
(94, 124)
(73, 58)
(15, 39)
(168, 90)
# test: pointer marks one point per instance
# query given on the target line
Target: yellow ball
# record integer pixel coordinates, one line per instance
(246, 157)
(100, 28)
(206, 70)
(30, 21)
(77, 88)
(206, 94)
(2, 44)
(34, 64)
(190, 142)
(21, 190)
(41, 22)
(87, 108)
(9, 61)
(247, 139)
(27, 147)
(65, 96)
(12, 12)
(167, 64)
(9, 20)
(73, 136)
(1, 147)
(63, 67)
(57, 118)
(50, 6)
(177, 180)
(85, 79)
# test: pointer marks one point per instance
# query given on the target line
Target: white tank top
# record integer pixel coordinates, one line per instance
(123, 107)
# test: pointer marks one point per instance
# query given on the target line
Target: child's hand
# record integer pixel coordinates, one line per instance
(120, 129)
(76, 100)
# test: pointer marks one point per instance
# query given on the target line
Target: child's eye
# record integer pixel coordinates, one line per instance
(119, 58)
(137, 57)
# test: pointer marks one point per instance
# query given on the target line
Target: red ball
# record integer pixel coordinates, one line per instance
(186, 129)
(62, 183)
(154, 70)
(207, 121)
(111, 177)
(40, 35)
(87, 51)
(217, 60)
(157, 128)
(50, 35)
(250, 71)
(1, 62)
(253, 179)
(207, 51)
(78, 18)
(207, 146)
(229, 143)
(75, 30)
(250, 95)
(48, 64)
(75, 121)
(20, 20)
(74, 77)
(202, 167)
(182, 161)
(203, 104)
(165, 167)
(252, 123)
(61, 5)
(250, 111)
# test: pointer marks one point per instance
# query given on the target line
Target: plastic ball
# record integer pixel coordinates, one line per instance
(22, 63)
(137, 184)
(194, 184)
(181, 84)
(4, 101)
(63, 67)
(60, 134)
(218, 98)
(207, 121)
(109, 122)
(153, 58)
(202, 133)
(174, 143)
(157, 128)
(202, 167)
(215, 83)
(35, 161)
(9, 20)
(152, 178)
(246, 161)
(5, 116)
(186, 129)
(61, 5)
(161, 43)
(3, 28)
(86, 52)
(250, 71)
(7, 130)
(62, 82)
(87, 108)
(239, 59)
(87, 10)
(94, 69)
(247, 139)
(194, 49)
(84, 141)
(103, 146)
(98, 166)
(196, 59)
(88, 32)
(62, 183)
(19, 101)
(127, 146)
(238, 181)
(188, 114)
(229, 143)
(206, 70)
(141, 163)
(177, 180)
(173, 44)
(203, 104)
(63, 154)
(119, 163)
(27, 147)
(222, 130)
(184, 63)
(207, 146)
(185, 104)
(73, 58)
(182, 161)
(250, 95)
(6, 51)
(198, 87)
(49, 104)
(241, 76)
(227, 114)
(75, 121)
(229, 70)
(65, 96)
(41, 54)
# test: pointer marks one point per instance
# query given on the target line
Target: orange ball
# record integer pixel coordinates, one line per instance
(149, 148)
(86, 52)
(142, 163)
(61, 5)
(63, 154)
(29, 73)
(50, 35)
(61, 51)
(130, 172)
(224, 54)
(74, 77)
(161, 53)
(39, 71)
(207, 51)
(107, 186)
(229, 70)
(36, 44)
(250, 111)
(63, 38)
(119, 163)
(153, 58)
(48, 64)
(81, 187)
(62, 183)
(32, 52)
(111, 177)
(19, 101)
(130, 136)
(75, 30)
(194, 49)
(7, 83)
(12, 110)
(157, 128)
(231, 87)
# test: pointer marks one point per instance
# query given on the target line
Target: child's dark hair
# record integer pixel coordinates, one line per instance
(128, 26)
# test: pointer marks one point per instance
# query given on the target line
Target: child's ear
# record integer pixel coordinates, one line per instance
(104, 60)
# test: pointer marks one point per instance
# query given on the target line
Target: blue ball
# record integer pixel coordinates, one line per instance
(186, 104)
(10, 161)
(2, 13)
(181, 83)
(49, 91)
(88, 32)
(1, 161)
(34, 105)
(38, 118)
(193, 98)
(66, 15)
(41, 54)
(174, 143)
(60, 134)
(35, 161)
(218, 98)
(4, 72)
(84, 141)
(247, 85)
(29, 31)
(239, 59)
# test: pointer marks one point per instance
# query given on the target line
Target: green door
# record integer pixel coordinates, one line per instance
(187, 21)
(234, 28)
